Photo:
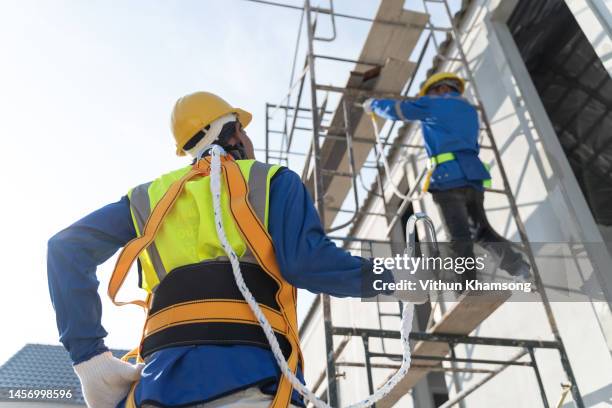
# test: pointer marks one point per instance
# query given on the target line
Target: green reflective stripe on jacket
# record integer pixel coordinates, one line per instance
(188, 234)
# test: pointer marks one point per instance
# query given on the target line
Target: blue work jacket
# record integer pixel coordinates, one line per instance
(450, 125)
(186, 375)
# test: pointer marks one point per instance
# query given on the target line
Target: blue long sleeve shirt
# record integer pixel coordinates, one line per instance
(191, 374)
(450, 124)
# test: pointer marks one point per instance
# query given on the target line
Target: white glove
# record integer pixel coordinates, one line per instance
(106, 380)
(367, 105)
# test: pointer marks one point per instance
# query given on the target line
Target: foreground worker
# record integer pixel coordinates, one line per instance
(457, 177)
(212, 350)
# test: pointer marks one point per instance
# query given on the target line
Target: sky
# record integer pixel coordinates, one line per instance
(86, 91)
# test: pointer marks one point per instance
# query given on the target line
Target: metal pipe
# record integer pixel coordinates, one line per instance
(352, 167)
(397, 366)
(340, 15)
(341, 210)
(406, 201)
(329, 57)
(362, 92)
(366, 349)
(300, 108)
(293, 65)
(472, 360)
(290, 91)
(332, 390)
(297, 103)
(281, 151)
(461, 396)
(536, 371)
(355, 239)
(337, 353)
(333, 21)
(448, 337)
(372, 142)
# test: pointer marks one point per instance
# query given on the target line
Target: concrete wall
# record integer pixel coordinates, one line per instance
(553, 210)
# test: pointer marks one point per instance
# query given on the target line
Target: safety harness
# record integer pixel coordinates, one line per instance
(182, 312)
(443, 158)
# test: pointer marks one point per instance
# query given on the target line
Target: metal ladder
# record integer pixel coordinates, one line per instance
(349, 95)
(506, 190)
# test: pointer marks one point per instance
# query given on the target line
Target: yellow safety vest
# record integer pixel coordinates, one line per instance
(193, 298)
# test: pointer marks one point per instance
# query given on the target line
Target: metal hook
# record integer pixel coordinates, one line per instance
(411, 232)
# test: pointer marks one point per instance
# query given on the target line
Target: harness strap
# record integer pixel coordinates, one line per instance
(443, 158)
(135, 247)
(212, 310)
(260, 243)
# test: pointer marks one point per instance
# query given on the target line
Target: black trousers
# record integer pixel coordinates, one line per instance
(463, 213)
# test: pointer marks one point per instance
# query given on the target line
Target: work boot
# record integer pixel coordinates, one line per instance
(520, 270)
(466, 276)
(523, 274)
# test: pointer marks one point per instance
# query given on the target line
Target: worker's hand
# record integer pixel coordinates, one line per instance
(106, 380)
(367, 105)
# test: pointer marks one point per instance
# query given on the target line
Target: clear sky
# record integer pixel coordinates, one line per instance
(86, 90)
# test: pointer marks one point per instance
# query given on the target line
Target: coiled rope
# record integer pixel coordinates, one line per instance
(407, 313)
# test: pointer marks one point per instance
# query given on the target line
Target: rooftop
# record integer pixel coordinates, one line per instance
(42, 367)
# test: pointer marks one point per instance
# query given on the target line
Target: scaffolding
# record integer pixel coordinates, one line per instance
(342, 152)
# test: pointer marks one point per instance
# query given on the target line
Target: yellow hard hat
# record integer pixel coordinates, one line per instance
(195, 111)
(441, 76)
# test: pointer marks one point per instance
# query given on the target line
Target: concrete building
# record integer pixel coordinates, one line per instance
(543, 73)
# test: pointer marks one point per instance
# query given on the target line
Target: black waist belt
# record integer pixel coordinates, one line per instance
(201, 304)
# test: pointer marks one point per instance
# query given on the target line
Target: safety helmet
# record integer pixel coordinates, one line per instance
(442, 76)
(195, 111)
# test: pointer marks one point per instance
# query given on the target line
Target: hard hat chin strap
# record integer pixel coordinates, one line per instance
(238, 152)
(207, 151)
(222, 138)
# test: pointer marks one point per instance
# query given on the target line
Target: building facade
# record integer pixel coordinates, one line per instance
(543, 71)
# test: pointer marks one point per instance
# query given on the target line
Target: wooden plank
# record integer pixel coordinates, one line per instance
(393, 76)
(466, 315)
(390, 46)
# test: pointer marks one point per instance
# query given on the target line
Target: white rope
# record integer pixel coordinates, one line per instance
(381, 153)
(407, 314)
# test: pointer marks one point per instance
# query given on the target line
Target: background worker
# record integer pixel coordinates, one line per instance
(228, 375)
(450, 131)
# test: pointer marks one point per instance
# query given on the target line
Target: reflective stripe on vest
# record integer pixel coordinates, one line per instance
(188, 235)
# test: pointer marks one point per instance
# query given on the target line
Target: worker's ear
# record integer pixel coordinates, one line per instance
(246, 142)
(238, 130)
